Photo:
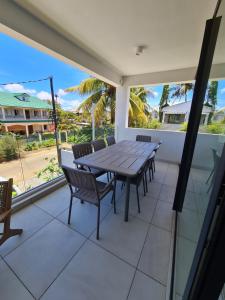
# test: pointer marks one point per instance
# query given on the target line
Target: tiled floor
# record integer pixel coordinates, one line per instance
(52, 260)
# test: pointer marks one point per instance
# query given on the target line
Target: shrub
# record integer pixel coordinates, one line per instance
(48, 143)
(215, 128)
(184, 126)
(154, 124)
(31, 146)
(8, 148)
(51, 171)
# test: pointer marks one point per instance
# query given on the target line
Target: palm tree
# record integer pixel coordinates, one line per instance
(211, 99)
(164, 100)
(103, 95)
(182, 90)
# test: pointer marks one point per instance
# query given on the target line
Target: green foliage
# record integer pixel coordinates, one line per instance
(215, 128)
(36, 145)
(8, 148)
(181, 90)
(184, 126)
(103, 95)
(212, 93)
(31, 146)
(47, 143)
(51, 171)
(154, 124)
(164, 100)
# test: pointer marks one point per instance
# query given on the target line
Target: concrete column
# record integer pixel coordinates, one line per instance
(6, 128)
(27, 131)
(163, 118)
(3, 113)
(187, 117)
(24, 114)
(121, 116)
(206, 119)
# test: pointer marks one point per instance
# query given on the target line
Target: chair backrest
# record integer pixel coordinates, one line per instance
(98, 144)
(143, 138)
(80, 150)
(80, 179)
(110, 140)
(5, 195)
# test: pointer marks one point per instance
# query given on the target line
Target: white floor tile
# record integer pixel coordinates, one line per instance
(163, 215)
(155, 255)
(39, 260)
(92, 274)
(124, 239)
(30, 219)
(55, 202)
(145, 288)
(10, 286)
(83, 217)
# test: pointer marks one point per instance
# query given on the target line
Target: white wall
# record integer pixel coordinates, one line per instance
(171, 148)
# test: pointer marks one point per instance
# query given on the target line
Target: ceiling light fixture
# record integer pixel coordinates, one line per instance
(140, 49)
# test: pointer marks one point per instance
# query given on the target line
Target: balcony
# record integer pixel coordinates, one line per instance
(129, 259)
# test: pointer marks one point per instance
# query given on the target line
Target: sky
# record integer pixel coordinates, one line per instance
(20, 62)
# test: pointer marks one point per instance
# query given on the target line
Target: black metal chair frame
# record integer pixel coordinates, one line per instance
(98, 144)
(110, 140)
(85, 182)
(80, 150)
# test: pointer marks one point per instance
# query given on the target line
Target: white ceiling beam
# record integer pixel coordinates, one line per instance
(172, 76)
(24, 26)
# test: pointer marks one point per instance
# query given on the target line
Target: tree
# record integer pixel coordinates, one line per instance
(181, 90)
(212, 97)
(164, 100)
(103, 95)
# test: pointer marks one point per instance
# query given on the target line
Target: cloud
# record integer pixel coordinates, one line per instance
(18, 88)
(43, 95)
(222, 91)
(70, 103)
(155, 93)
(61, 92)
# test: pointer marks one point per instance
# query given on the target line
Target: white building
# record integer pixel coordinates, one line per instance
(179, 113)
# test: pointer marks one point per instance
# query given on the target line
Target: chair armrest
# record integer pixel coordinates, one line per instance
(4, 215)
(108, 184)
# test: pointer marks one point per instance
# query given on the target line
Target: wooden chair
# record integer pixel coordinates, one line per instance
(80, 150)
(5, 210)
(84, 186)
(110, 140)
(98, 144)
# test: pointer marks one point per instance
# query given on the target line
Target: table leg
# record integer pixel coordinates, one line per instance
(126, 213)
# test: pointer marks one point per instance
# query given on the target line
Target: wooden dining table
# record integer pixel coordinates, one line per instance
(124, 158)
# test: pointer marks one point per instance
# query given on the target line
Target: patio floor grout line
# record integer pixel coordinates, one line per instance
(60, 272)
(146, 236)
(36, 231)
(88, 239)
(17, 276)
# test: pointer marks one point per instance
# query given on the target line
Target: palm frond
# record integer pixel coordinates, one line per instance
(88, 86)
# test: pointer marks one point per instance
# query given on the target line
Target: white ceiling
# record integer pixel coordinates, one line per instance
(109, 30)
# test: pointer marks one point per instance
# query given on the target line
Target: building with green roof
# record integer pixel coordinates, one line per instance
(24, 114)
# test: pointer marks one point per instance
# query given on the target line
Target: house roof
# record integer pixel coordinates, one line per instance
(183, 108)
(13, 100)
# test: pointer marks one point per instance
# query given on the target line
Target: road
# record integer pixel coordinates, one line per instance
(27, 167)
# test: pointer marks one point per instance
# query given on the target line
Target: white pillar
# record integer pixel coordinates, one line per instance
(93, 120)
(27, 131)
(122, 113)
(6, 128)
(206, 119)
(24, 114)
(163, 118)
(3, 113)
